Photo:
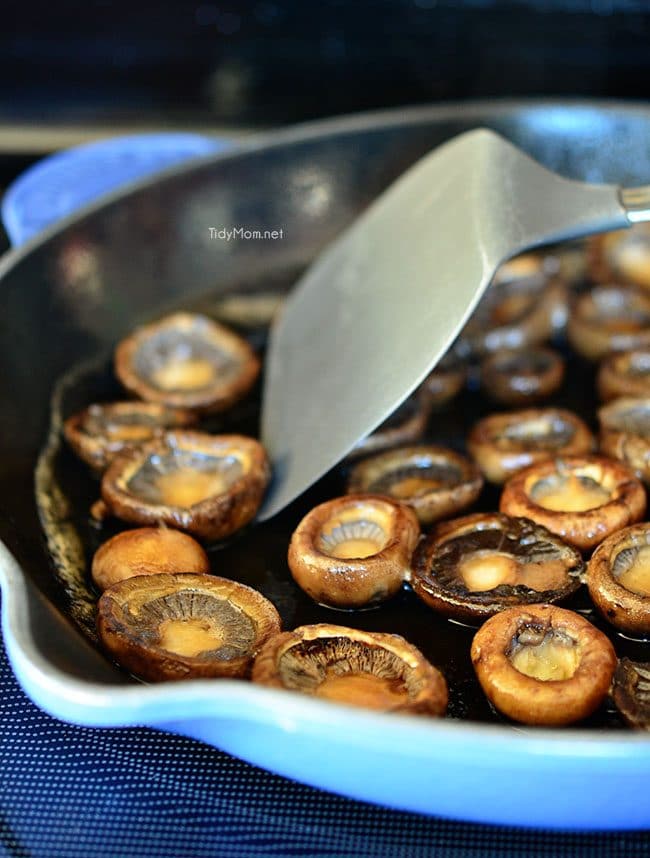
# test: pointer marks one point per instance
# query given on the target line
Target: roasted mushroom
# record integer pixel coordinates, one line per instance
(582, 498)
(405, 425)
(503, 444)
(524, 305)
(147, 551)
(208, 485)
(98, 433)
(354, 551)
(625, 433)
(624, 374)
(622, 256)
(610, 319)
(187, 361)
(631, 692)
(543, 665)
(618, 578)
(520, 377)
(435, 481)
(184, 626)
(446, 381)
(473, 567)
(371, 669)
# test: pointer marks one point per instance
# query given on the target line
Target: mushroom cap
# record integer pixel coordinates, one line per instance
(585, 530)
(621, 255)
(187, 360)
(520, 376)
(382, 671)
(622, 607)
(528, 699)
(631, 692)
(405, 425)
(147, 551)
(435, 481)
(535, 565)
(446, 381)
(238, 464)
(137, 617)
(625, 433)
(519, 309)
(504, 443)
(388, 532)
(624, 374)
(609, 318)
(101, 431)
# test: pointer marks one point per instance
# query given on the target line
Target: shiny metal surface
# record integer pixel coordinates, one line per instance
(381, 306)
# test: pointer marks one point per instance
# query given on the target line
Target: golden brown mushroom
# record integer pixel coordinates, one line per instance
(624, 374)
(434, 481)
(98, 433)
(354, 551)
(618, 577)
(404, 426)
(525, 305)
(625, 433)
(187, 361)
(610, 319)
(543, 665)
(446, 381)
(147, 551)
(503, 444)
(370, 669)
(522, 376)
(581, 498)
(473, 567)
(184, 626)
(631, 692)
(622, 256)
(207, 485)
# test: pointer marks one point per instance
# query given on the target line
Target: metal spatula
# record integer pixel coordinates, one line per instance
(381, 305)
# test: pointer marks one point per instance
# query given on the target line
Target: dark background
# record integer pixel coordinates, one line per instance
(266, 62)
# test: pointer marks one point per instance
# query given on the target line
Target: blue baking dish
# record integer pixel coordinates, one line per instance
(76, 287)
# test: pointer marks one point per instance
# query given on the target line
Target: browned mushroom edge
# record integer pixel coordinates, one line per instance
(184, 626)
(516, 313)
(354, 551)
(147, 551)
(622, 256)
(187, 360)
(624, 374)
(207, 485)
(101, 431)
(446, 381)
(580, 498)
(541, 664)
(435, 481)
(371, 669)
(516, 377)
(405, 425)
(631, 692)
(625, 433)
(502, 444)
(473, 567)
(618, 577)
(609, 319)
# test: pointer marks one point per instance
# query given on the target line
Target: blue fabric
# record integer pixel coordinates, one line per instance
(58, 185)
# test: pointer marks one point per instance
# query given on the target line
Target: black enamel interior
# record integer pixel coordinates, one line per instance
(151, 251)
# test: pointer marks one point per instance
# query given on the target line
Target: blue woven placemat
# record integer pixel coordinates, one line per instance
(79, 792)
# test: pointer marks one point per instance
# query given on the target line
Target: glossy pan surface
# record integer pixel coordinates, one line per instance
(72, 293)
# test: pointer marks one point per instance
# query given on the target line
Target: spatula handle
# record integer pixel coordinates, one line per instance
(636, 202)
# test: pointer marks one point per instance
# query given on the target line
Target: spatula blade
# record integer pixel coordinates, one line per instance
(380, 306)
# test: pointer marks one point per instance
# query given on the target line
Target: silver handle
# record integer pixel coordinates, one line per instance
(636, 202)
